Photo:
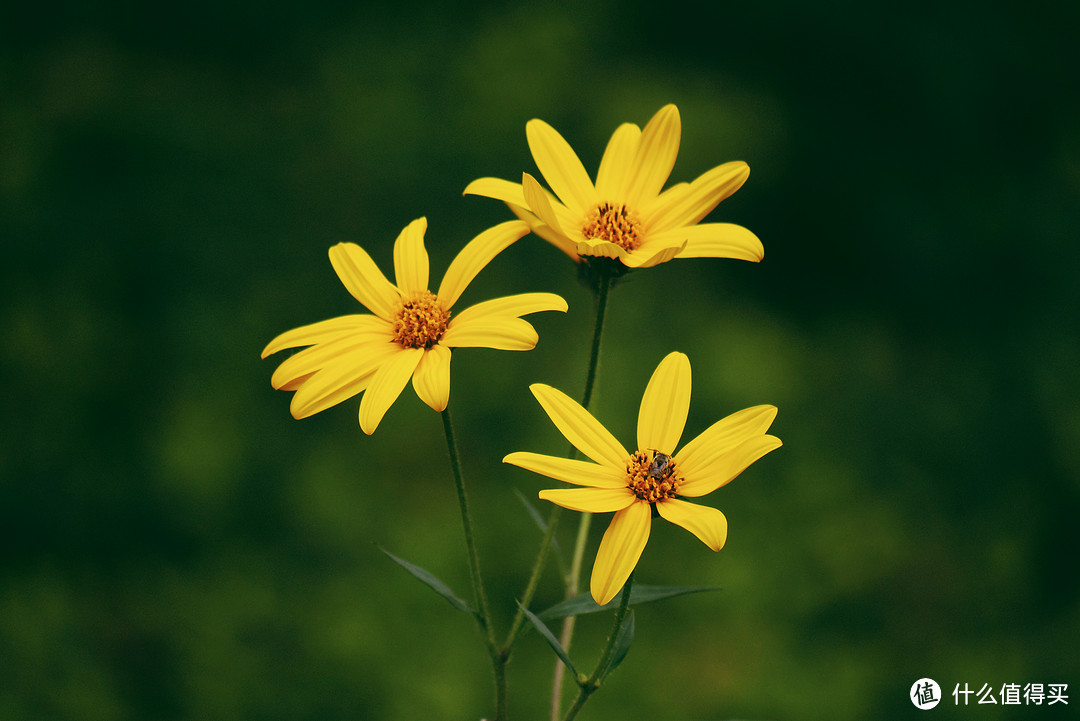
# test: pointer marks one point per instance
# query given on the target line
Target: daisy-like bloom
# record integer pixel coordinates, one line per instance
(654, 475)
(411, 332)
(625, 215)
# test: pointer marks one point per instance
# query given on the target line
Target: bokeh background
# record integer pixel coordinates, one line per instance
(174, 546)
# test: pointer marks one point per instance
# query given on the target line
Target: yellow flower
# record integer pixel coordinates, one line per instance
(630, 484)
(625, 215)
(411, 332)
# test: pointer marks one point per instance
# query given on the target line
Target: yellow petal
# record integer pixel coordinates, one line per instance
(690, 206)
(513, 306)
(539, 202)
(580, 428)
(714, 240)
(700, 479)
(323, 331)
(620, 550)
(580, 473)
(613, 178)
(474, 256)
(321, 355)
(708, 524)
(431, 381)
(386, 385)
(655, 156)
(364, 280)
(498, 189)
(590, 500)
(340, 380)
(725, 434)
(496, 332)
(652, 253)
(560, 166)
(664, 405)
(411, 259)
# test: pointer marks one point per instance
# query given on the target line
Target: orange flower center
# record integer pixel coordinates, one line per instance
(652, 475)
(421, 322)
(613, 222)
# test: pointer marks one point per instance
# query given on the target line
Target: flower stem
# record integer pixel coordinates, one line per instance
(483, 610)
(587, 687)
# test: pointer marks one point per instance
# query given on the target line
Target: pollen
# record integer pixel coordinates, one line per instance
(421, 321)
(613, 222)
(652, 475)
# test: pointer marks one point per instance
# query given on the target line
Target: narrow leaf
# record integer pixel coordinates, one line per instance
(433, 583)
(622, 643)
(539, 520)
(550, 638)
(639, 594)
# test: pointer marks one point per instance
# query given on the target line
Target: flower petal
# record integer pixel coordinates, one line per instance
(496, 332)
(620, 549)
(580, 473)
(655, 156)
(590, 500)
(579, 427)
(411, 259)
(701, 479)
(386, 385)
(560, 166)
(321, 355)
(688, 206)
(614, 175)
(715, 240)
(324, 330)
(539, 202)
(724, 435)
(664, 405)
(474, 256)
(707, 523)
(498, 189)
(513, 306)
(340, 380)
(431, 381)
(364, 281)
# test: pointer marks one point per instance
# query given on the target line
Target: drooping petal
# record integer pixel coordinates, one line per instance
(620, 550)
(364, 280)
(689, 206)
(725, 434)
(411, 258)
(513, 306)
(498, 189)
(431, 381)
(655, 155)
(665, 404)
(323, 331)
(340, 380)
(560, 166)
(715, 240)
(590, 500)
(707, 523)
(613, 178)
(386, 385)
(646, 255)
(474, 256)
(580, 473)
(580, 428)
(498, 332)
(539, 203)
(702, 478)
(309, 360)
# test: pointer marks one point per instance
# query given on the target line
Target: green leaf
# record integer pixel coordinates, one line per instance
(540, 522)
(433, 583)
(639, 594)
(622, 643)
(550, 638)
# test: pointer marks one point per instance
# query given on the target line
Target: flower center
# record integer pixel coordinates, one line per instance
(652, 476)
(613, 222)
(421, 322)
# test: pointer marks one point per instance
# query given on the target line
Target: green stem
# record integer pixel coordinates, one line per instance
(483, 612)
(592, 683)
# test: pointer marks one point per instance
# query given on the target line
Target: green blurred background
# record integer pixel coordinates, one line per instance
(175, 546)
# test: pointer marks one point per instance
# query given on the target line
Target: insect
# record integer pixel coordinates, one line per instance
(660, 465)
